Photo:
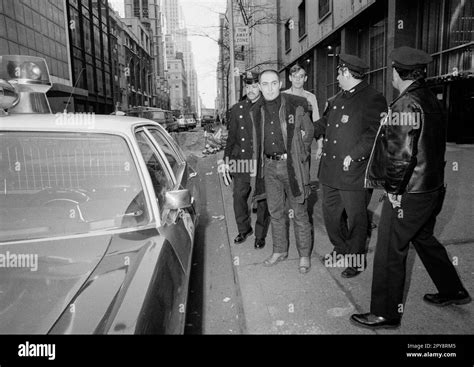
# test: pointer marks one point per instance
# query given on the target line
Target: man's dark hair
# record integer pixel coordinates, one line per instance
(297, 67)
(268, 71)
(415, 74)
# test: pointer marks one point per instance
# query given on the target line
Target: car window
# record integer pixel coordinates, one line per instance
(170, 152)
(160, 179)
(56, 184)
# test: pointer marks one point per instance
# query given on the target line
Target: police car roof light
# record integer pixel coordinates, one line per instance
(19, 69)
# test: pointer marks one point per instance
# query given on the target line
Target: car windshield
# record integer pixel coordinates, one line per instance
(55, 184)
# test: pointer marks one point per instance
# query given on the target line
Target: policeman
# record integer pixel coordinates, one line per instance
(349, 123)
(240, 162)
(408, 162)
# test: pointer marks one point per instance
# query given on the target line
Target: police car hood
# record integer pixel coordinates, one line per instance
(39, 279)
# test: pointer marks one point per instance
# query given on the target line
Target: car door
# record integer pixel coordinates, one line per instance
(172, 274)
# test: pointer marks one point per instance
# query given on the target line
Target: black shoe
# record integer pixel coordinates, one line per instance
(438, 299)
(351, 272)
(241, 237)
(259, 243)
(371, 321)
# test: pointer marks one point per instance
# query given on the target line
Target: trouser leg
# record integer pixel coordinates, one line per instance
(263, 220)
(275, 192)
(355, 204)
(241, 194)
(333, 218)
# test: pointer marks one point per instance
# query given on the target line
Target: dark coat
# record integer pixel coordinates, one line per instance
(349, 124)
(298, 132)
(241, 145)
(408, 154)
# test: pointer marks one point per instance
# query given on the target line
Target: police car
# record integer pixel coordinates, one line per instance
(97, 216)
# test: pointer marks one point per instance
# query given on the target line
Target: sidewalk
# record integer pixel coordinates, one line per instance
(280, 300)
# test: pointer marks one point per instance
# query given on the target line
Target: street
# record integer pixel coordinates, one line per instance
(232, 293)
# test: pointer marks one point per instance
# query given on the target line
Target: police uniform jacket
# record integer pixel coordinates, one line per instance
(349, 124)
(408, 154)
(242, 135)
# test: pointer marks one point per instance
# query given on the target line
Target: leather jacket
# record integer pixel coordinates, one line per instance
(408, 154)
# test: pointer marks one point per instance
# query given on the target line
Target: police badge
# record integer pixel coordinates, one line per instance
(344, 119)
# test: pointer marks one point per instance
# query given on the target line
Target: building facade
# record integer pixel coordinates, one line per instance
(39, 29)
(313, 33)
(178, 84)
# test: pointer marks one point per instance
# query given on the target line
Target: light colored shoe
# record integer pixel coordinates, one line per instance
(305, 264)
(275, 258)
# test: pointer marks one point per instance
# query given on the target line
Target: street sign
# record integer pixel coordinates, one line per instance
(241, 36)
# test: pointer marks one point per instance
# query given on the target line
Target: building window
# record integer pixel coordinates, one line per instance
(448, 47)
(302, 19)
(288, 28)
(324, 9)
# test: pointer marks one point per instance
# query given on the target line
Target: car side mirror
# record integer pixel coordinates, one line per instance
(178, 199)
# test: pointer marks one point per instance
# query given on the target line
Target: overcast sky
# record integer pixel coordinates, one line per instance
(202, 21)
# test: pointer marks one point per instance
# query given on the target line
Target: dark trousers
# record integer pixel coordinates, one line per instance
(348, 233)
(277, 188)
(414, 222)
(241, 194)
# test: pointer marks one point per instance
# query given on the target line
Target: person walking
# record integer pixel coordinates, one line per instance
(285, 152)
(349, 125)
(408, 162)
(298, 77)
(239, 166)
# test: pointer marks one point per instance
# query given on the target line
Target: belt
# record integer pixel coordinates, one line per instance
(277, 157)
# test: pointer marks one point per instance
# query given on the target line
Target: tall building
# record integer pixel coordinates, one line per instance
(150, 13)
(178, 84)
(39, 29)
(315, 32)
(177, 41)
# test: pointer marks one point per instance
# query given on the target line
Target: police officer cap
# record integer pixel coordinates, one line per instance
(409, 58)
(353, 63)
(251, 77)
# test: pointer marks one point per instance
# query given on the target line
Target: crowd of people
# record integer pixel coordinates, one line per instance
(363, 144)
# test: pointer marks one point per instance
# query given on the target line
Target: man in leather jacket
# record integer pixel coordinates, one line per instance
(407, 161)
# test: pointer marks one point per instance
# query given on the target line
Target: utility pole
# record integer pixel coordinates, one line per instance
(231, 52)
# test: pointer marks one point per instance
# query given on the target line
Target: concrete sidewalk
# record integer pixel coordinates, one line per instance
(280, 300)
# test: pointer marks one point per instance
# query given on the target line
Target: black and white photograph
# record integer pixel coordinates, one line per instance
(237, 168)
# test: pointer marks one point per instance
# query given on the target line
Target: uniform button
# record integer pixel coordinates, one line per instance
(241, 106)
(337, 125)
(335, 141)
(243, 139)
(334, 107)
(342, 107)
(241, 116)
(271, 122)
(242, 127)
(324, 154)
(243, 150)
(273, 143)
(363, 157)
(272, 132)
(333, 157)
(325, 140)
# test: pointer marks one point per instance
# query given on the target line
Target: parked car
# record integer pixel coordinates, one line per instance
(182, 123)
(207, 119)
(102, 217)
(191, 122)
